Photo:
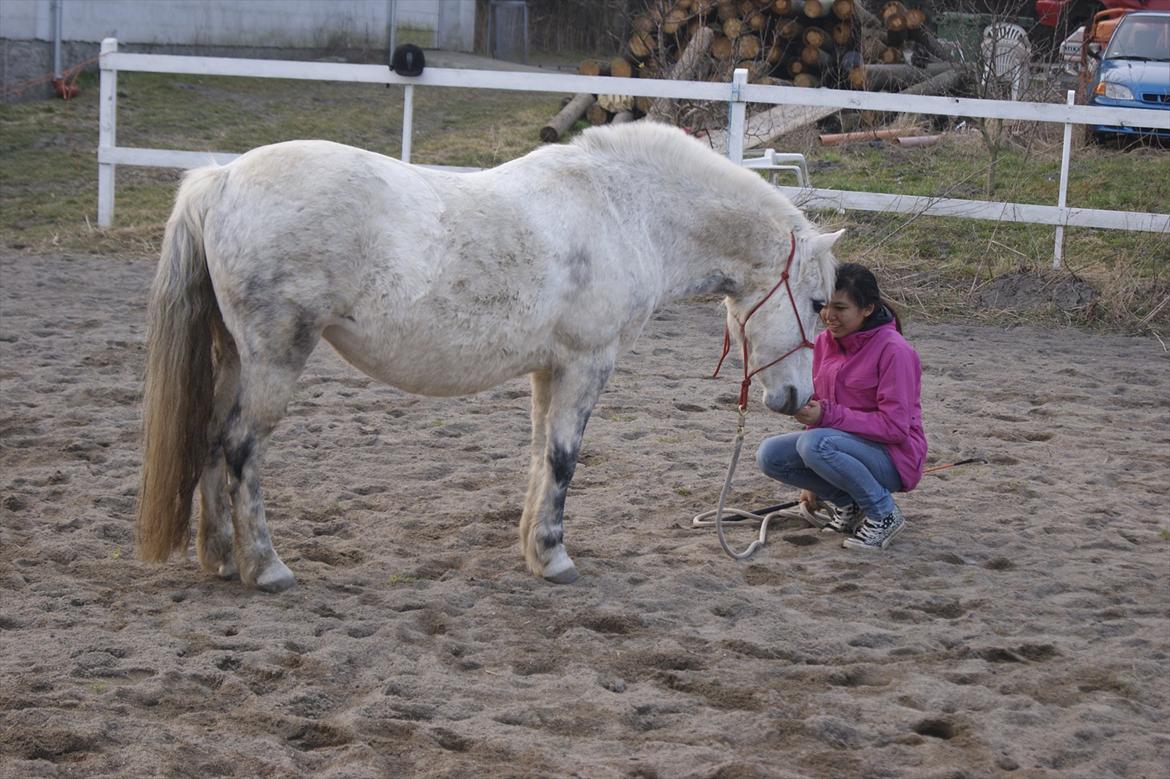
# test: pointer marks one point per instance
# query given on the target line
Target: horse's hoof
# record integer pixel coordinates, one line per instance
(567, 576)
(227, 570)
(560, 569)
(276, 577)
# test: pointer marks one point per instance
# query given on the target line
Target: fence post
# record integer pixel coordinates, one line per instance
(107, 131)
(1062, 198)
(407, 120)
(735, 125)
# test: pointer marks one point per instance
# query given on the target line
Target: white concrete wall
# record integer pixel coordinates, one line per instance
(245, 23)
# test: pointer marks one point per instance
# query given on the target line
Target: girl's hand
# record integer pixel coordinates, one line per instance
(810, 500)
(810, 414)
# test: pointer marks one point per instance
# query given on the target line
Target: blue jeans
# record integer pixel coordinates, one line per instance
(838, 467)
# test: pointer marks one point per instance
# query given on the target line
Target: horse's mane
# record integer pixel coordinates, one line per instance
(672, 150)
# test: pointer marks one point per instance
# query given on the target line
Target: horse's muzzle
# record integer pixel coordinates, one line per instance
(784, 400)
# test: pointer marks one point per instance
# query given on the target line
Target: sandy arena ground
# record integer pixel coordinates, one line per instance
(1020, 626)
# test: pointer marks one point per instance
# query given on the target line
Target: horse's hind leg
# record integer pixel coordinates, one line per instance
(265, 389)
(571, 393)
(215, 540)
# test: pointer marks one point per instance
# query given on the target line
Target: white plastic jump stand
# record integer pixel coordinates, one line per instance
(774, 161)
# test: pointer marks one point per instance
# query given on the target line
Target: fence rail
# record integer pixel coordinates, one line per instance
(737, 93)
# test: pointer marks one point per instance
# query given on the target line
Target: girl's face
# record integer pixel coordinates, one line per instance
(842, 316)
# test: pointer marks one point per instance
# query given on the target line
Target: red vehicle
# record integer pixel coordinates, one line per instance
(1066, 15)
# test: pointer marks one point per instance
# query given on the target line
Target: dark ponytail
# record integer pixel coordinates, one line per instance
(859, 283)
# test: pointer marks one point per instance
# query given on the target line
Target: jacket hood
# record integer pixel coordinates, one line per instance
(881, 316)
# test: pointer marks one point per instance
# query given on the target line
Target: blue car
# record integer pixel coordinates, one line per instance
(1135, 72)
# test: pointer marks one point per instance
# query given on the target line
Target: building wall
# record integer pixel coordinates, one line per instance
(284, 29)
(247, 23)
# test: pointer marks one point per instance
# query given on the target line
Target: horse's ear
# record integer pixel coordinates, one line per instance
(824, 242)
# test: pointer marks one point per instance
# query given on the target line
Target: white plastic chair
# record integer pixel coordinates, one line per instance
(775, 161)
(1005, 53)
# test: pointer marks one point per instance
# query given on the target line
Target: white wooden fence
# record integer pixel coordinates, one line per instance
(738, 93)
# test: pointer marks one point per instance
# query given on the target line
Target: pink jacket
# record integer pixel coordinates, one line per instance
(870, 383)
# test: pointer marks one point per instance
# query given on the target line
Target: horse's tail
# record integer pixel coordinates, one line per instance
(183, 321)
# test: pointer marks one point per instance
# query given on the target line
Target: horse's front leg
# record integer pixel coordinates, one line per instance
(541, 389)
(570, 393)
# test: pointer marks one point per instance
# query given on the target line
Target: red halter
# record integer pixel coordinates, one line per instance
(804, 342)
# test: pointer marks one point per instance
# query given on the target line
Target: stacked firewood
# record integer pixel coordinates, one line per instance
(807, 43)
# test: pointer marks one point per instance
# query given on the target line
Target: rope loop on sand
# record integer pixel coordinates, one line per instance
(794, 510)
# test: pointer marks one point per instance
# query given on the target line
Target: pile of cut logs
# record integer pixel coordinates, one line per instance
(807, 43)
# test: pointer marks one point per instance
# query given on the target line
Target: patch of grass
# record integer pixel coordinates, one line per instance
(937, 266)
(48, 189)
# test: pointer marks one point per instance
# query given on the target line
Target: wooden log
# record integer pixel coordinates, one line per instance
(733, 28)
(915, 18)
(790, 29)
(842, 34)
(794, 67)
(641, 46)
(726, 10)
(592, 67)
(766, 126)
(674, 21)
(925, 38)
(816, 37)
(620, 67)
(561, 123)
(808, 80)
(596, 115)
(615, 104)
(788, 7)
(757, 22)
(843, 9)
(815, 59)
(756, 69)
(747, 47)
(643, 24)
(722, 48)
(893, 8)
(816, 9)
(890, 56)
(692, 66)
(775, 53)
(940, 84)
(895, 78)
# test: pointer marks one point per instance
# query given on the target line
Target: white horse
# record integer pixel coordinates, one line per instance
(442, 284)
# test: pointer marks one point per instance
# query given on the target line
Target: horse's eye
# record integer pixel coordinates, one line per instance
(817, 305)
